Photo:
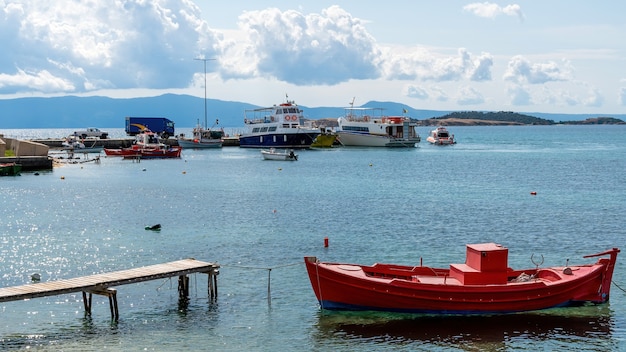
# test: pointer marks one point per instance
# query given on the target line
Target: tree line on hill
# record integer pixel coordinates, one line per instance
(510, 118)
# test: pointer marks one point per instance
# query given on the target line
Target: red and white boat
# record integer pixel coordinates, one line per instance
(146, 146)
(440, 136)
(483, 285)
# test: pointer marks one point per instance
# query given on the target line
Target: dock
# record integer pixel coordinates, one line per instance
(101, 284)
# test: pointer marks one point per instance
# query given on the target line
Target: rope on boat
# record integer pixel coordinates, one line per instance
(269, 273)
(616, 285)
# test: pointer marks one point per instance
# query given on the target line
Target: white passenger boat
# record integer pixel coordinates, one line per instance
(273, 154)
(279, 126)
(368, 127)
(440, 136)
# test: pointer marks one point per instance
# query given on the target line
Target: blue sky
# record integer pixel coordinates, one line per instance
(527, 56)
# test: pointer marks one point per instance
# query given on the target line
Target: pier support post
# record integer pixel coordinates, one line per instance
(111, 293)
(212, 284)
(183, 287)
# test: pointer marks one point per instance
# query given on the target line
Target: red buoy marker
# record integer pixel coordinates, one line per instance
(325, 242)
(533, 193)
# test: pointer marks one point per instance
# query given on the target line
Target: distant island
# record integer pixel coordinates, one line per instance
(477, 118)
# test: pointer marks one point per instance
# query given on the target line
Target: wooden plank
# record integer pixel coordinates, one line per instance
(99, 282)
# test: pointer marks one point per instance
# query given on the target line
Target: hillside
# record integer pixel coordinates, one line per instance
(187, 111)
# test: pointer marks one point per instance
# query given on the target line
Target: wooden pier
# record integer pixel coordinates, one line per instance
(101, 284)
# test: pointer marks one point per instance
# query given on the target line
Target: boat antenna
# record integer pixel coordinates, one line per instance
(352, 102)
(204, 60)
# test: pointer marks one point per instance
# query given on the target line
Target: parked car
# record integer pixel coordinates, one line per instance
(91, 132)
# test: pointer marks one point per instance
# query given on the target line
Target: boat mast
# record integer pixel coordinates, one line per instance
(204, 60)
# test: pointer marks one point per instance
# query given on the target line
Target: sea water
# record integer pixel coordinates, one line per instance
(259, 218)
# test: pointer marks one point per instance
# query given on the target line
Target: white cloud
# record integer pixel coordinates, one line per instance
(519, 95)
(622, 96)
(520, 70)
(469, 96)
(325, 48)
(492, 10)
(594, 98)
(413, 91)
(130, 44)
(426, 66)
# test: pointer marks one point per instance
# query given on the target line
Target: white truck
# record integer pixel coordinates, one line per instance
(91, 132)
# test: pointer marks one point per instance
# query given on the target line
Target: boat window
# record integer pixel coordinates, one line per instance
(264, 129)
(255, 130)
(272, 129)
(285, 125)
(293, 110)
(356, 128)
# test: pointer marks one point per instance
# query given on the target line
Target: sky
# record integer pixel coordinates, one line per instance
(557, 56)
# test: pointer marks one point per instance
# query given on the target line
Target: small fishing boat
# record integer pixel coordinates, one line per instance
(484, 284)
(273, 154)
(10, 169)
(146, 146)
(72, 145)
(440, 136)
(203, 138)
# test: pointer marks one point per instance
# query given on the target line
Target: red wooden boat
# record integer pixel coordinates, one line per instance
(483, 285)
(146, 146)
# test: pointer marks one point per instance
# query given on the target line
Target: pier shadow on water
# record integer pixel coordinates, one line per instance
(484, 332)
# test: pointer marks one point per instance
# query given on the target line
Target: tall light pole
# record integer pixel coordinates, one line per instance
(204, 60)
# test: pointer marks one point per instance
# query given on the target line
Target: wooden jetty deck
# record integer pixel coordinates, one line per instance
(101, 283)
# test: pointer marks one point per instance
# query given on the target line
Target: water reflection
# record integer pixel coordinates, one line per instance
(563, 327)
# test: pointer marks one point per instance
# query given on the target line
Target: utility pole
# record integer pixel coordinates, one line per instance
(204, 60)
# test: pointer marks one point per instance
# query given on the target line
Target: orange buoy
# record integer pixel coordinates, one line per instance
(325, 242)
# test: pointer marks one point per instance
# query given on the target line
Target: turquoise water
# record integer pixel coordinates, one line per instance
(251, 215)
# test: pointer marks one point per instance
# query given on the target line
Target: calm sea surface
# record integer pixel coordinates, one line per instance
(374, 205)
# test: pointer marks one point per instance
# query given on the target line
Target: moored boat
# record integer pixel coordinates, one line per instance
(146, 146)
(10, 169)
(326, 139)
(273, 154)
(483, 285)
(440, 136)
(279, 126)
(368, 127)
(72, 145)
(203, 138)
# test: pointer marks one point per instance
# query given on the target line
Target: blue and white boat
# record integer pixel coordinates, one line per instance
(279, 126)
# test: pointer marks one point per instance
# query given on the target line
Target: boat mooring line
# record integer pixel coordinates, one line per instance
(616, 285)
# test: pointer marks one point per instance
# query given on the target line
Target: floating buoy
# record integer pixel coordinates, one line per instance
(144, 169)
(370, 164)
(62, 177)
(184, 172)
(533, 193)
(280, 169)
(156, 227)
(325, 242)
(35, 277)
(274, 211)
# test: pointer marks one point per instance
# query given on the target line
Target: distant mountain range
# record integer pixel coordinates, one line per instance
(184, 110)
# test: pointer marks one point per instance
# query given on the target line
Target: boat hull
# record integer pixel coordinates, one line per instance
(278, 140)
(173, 152)
(205, 144)
(10, 169)
(279, 156)
(395, 288)
(372, 140)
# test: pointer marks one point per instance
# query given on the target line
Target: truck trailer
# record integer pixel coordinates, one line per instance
(160, 125)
